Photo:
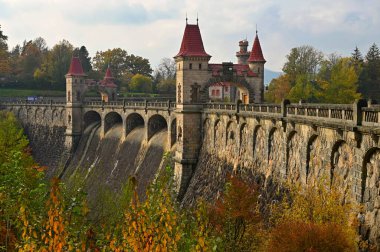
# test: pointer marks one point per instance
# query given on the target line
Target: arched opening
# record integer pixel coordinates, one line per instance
(309, 149)
(37, 114)
(230, 132)
(218, 134)
(370, 169)
(243, 139)
(111, 120)
(173, 132)
(338, 160)
(156, 123)
(270, 141)
(90, 118)
(133, 121)
(289, 149)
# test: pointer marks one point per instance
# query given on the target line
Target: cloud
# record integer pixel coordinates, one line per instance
(154, 28)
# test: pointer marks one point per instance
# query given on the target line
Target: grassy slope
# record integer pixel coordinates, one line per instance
(5, 92)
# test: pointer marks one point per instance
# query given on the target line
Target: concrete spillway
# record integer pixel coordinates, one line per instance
(108, 162)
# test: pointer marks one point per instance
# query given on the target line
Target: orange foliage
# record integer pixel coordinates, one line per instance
(292, 236)
(55, 235)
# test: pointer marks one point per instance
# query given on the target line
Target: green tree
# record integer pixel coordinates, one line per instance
(140, 83)
(85, 60)
(114, 58)
(138, 65)
(4, 56)
(32, 55)
(306, 90)
(373, 62)
(303, 60)
(56, 64)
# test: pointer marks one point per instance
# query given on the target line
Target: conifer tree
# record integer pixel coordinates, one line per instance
(373, 62)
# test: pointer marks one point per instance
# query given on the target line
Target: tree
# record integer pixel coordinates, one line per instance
(343, 84)
(373, 62)
(31, 58)
(164, 76)
(138, 65)
(303, 60)
(141, 83)
(114, 58)
(56, 64)
(314, 217)
(4, 56)
(278, 89)
(306, 90)
(85, 60)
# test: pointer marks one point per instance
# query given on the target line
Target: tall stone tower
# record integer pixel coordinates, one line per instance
(75, 86)
(192, 71)
(256, 63)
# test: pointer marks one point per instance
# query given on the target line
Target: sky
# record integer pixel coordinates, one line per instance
(153, 29)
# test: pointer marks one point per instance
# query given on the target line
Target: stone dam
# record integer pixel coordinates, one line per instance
(272, 142)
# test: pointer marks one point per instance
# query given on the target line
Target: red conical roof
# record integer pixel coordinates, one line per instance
(256, 53)
(192, 44)
(75, 67)
(108, 74)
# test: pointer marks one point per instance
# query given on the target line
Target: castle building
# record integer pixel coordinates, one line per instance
(201, 81)
(198, 82)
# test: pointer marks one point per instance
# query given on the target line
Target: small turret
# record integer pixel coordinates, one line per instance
(243, 54)
(107, 87)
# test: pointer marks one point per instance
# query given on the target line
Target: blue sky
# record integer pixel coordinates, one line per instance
(154, 28)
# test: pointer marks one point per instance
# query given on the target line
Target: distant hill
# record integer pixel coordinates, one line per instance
(269, 75)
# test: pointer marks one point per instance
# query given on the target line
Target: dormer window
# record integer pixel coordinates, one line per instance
(190, 66)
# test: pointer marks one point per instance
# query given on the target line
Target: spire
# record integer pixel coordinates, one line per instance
(256, 53)
(197, 18)
(186, 18)
(108, 75)
(192, 44)
(75, 67)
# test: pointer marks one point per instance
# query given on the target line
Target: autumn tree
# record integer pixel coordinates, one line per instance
(314, 217)
(235, 217)
(278, 89)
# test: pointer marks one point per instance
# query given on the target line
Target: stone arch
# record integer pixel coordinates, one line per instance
(37, 114)
(341, 160)
(207, 131)
(55, 115)
(91, 117)
(243, 139)
(293, 157)
(156, 123)
(236, 80)
(371, 194)
(313, 160)
(231, 137)
(63, 116)
(218, 134)
(111, 119)
(259, 153)
(275, 152)
(173, 132)
(133, 121)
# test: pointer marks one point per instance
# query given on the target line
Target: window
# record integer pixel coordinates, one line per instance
(226, 88)
(213, 92)
(217, 92)
(179, 66)
(200, 66)
(68, 96)
(190, 66)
